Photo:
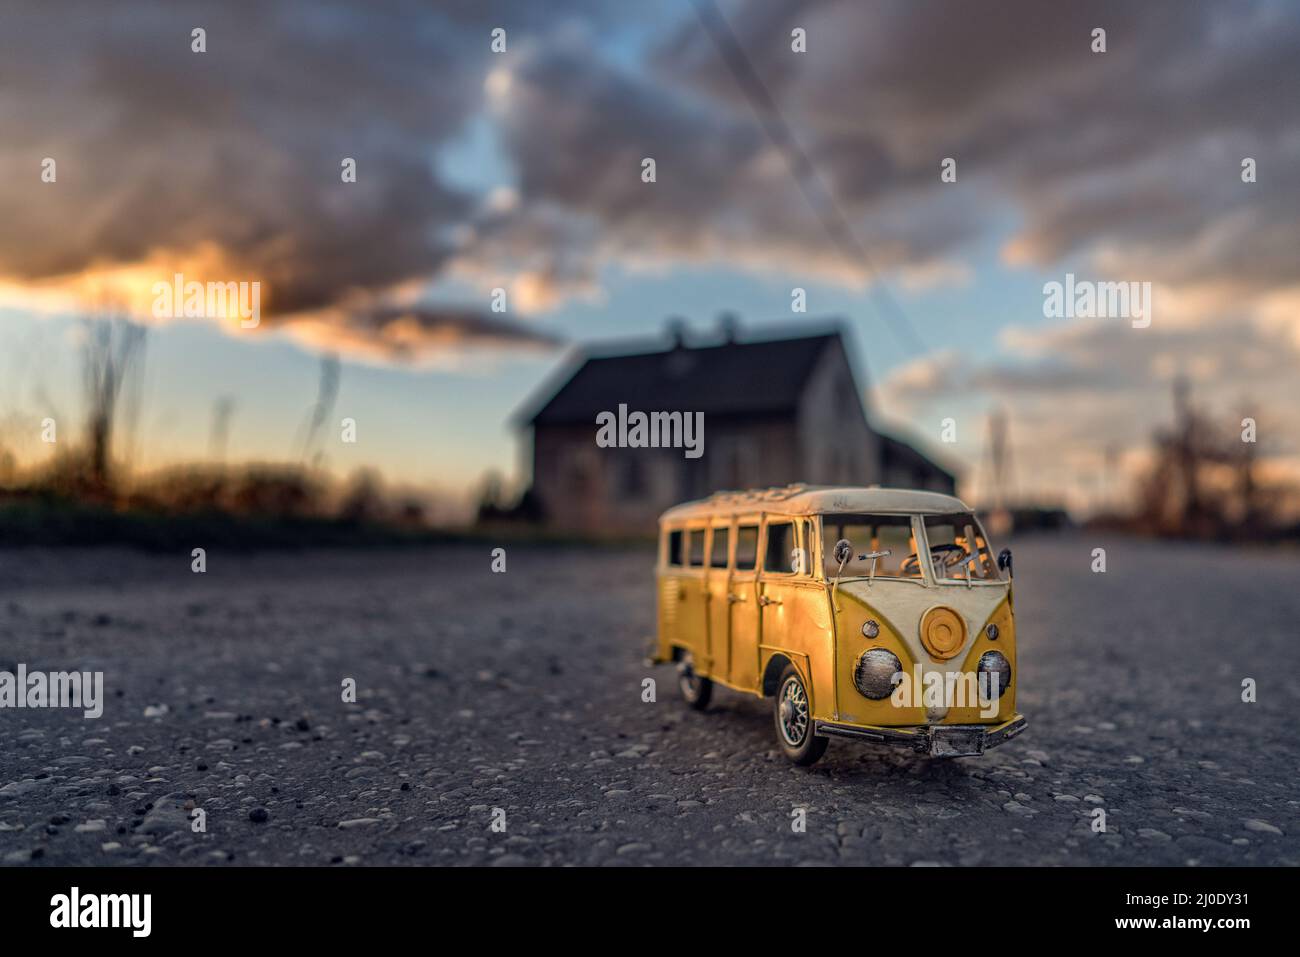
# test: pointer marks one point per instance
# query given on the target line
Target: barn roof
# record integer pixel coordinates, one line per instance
(728, 378)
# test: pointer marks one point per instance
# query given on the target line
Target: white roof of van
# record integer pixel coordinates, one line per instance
(815, 500)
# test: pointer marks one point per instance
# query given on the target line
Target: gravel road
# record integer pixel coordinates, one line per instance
(522, 692)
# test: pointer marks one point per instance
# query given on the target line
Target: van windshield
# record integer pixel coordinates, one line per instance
(870, 533)
(959, 549)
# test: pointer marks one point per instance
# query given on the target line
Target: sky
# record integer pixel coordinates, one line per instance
(522, 170)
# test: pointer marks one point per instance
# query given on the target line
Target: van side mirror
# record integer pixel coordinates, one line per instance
(1004, 561)
(843, 551)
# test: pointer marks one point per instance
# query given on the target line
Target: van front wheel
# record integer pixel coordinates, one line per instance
(696, 690)
(794, 723)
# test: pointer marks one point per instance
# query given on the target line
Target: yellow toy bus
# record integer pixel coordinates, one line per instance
(870, 613)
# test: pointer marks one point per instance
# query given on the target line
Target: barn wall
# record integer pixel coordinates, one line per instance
(838, 446)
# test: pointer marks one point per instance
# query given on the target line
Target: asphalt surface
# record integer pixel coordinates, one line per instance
(522, 692)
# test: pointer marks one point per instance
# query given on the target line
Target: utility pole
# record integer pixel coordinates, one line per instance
(998, 471)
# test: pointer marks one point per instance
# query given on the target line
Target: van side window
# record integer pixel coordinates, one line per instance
(721, 538)
(675, 547)
(780, 545)
(695, 547)
(746, 548)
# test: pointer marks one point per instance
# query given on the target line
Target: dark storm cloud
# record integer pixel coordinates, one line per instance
(1137, 147)
(237, 151)
(159, 147)
(577, 128)
(403, 329)
(1130, 157)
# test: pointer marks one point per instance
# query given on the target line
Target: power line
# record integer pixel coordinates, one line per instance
(815, 191)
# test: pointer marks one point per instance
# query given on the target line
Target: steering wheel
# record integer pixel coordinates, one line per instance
(951, 554)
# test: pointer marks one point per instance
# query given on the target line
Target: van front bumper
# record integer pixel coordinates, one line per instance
(936, 740)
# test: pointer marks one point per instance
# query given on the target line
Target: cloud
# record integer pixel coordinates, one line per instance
(232, 158)
(1136, 151)
(577, 128)
(1126, 163)
(411, 333)
(1077, 392)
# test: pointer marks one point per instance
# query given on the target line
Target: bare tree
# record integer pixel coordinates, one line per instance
(222, 409)
(327, 391)
(112, 348)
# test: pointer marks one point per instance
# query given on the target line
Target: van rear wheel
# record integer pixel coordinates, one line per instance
(794, 723)
(696, 690)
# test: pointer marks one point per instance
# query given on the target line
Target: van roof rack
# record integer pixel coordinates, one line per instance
(775, 493)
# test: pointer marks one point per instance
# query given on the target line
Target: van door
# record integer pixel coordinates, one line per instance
(719, 609)
(742, 596)
(671, 548)
(781, 567)
(692, 624)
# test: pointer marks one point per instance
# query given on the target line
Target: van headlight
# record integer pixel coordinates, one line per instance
(994, 663)
(874, 673)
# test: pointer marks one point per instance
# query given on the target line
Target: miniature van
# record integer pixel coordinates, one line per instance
(868, 613)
